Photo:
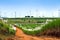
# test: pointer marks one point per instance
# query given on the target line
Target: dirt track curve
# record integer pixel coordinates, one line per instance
(21, 36)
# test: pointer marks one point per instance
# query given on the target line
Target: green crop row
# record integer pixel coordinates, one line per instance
(6, 29)
(30, 26)
(50, 25)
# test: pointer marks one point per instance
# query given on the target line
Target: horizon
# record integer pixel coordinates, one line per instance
(36, 8)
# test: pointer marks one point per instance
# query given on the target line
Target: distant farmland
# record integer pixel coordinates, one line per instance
(27, 20)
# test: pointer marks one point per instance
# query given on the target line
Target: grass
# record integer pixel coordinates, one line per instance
(4, 37)
(6, 29)
(30, 25)
(52, 26)
(51, 29)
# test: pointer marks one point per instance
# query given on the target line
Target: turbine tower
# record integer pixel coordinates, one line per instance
(36, 12)
(30, 13)
(0, 14)
(58, 13)
(15, 14)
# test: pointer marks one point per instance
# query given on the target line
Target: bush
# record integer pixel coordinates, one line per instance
(50, 28)
(6, 29)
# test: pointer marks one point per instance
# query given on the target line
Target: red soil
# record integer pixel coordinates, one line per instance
(21, 36)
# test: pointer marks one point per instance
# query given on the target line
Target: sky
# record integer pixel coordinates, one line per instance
(36, 8)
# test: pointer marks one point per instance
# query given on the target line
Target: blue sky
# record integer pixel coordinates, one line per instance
(47, 8)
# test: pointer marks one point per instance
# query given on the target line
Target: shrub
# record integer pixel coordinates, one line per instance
(48, 29)
(6, 29)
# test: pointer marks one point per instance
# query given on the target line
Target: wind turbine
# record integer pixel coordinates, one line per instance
(15, 14)
(58, 13)
(36, 12)
(0, 14)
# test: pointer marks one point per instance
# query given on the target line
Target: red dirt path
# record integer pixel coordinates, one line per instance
(21, 36)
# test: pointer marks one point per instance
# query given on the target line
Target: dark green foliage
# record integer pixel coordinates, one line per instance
(6, 29)
(53, 26)
(51, 29)
(31, 32)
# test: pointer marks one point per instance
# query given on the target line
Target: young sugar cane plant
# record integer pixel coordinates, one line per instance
(6, 29)
(50, 29)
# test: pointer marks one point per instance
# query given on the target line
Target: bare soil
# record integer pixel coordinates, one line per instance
(21, 36)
